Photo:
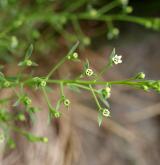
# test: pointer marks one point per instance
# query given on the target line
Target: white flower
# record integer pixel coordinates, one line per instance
(106, 112)
(89, 72)
(108, 89)
(117, 59)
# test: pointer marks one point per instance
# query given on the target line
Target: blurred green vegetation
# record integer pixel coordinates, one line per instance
(50, 24)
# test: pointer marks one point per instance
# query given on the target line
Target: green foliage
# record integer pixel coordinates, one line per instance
(28, 22)
(19, 83)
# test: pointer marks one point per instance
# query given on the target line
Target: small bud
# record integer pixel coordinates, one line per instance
(21, 117)
(66, 102)
(145, 87)
(115, 31)
(108, 89)
(93, 12)
(27, 101)
(57, 114)
(86, 41)
(106, 93)
(75, 55)
(106, 112)
(148, 24)
(45, 139)
(43, 83)
(140, 75)
(128, 9)
(89, 72)
(28, 63)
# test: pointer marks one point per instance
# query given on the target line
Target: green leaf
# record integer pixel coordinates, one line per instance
(29, 52)
(113, 53)
(33, 138)
(86, 64)
(2, 76)
(100, 118)
(73, 49)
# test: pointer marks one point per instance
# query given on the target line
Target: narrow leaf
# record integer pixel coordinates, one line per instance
(29, 52)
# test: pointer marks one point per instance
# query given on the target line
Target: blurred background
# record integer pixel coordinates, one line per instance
(131, 136)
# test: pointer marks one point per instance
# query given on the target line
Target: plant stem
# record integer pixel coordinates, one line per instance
(62, 60)
(46, 98)
(62, 88)
(95, 97)
(109, 7)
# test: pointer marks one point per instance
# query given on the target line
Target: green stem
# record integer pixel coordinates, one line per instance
(118, 17)
(109, 7)
(83, 87)
(46, 98)
(104, 69)
(95, 97)
(62, 60)
(62, 88)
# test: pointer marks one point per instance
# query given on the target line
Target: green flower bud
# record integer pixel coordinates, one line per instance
(140, 75)
(93, 12)
(43, 83)
(57, 114)
(27, 101)
(66, 102)
(75, 55)
(128, 9)
(105, 112)
(86, 41)
(45, 139)
(115, 31)
(21, 117)
(106, 93)
(145, 87)
(28, 63)
(148, 24)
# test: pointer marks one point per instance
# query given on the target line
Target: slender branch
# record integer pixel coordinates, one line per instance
(95, 97)
(62, 60)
